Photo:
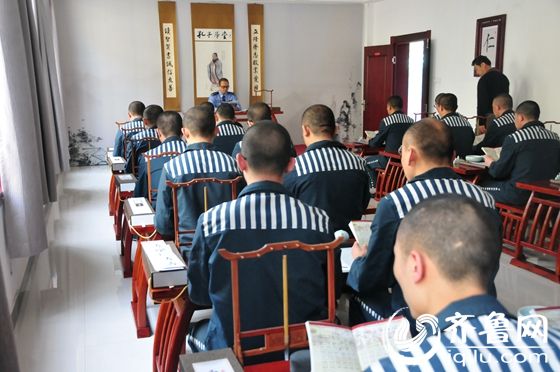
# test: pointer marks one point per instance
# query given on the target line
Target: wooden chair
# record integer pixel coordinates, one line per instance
(288, 336)
(126, 141)
(539, 231)
(152, 191)
(150, 142)
(391, 177)
(511, 217)
(176, 186)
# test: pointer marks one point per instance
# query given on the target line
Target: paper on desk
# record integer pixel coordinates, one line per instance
(221, 365)
(346, 259)
(161, 257)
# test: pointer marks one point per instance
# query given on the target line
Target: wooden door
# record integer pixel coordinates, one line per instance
(378, 83)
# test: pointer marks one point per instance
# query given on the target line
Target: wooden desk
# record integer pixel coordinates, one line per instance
(361, 149)
(241, 116)
(118, 216)
(541, 187)
(470, 173)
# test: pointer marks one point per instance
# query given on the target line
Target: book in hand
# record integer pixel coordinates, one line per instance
(334, 347)
(164, 264)
(139, 212)
(125, 182)
(492, 153)
(117, 163)
(361, 230)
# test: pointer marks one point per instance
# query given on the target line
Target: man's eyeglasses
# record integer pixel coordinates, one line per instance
(400, 150)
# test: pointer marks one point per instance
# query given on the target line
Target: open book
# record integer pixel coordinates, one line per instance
(370, 134)
(493, 153)
(361, 229)
(338, 348)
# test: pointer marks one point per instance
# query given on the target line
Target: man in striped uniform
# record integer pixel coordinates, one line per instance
(461, 130)
(532, 153)
(228, 131)
(390, 135)
(258, 111)
(327, 175)
(169, 125)
(135, 124)
(442, 266)
(501, 126)
(198, 161)
(143, 140)
(426, 161)
(263, 213)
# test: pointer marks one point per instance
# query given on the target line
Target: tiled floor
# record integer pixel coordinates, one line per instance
(85, 323)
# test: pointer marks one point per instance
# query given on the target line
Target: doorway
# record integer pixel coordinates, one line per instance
(400, 68)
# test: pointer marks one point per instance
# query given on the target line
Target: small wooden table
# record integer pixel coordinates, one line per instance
(542, 187)
(470, 173)
(361, 149)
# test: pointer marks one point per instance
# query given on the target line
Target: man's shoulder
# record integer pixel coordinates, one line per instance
(246, 213)
(329, 158)
(406, 197)
(214, 94)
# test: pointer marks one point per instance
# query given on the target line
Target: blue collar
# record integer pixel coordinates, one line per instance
(171, 139)
(325, 143)
(264, 186)
(451, 114)
(442, 172)
(535, 123)
(476, 305)
(228, 122)
(200, 146)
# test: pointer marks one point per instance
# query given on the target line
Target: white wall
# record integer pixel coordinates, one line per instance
(110, 55)
(531, 51)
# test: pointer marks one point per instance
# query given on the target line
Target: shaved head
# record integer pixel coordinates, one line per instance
(432, 138)
(267, 147)
(320, 119)
(465, 249)
(199, 121)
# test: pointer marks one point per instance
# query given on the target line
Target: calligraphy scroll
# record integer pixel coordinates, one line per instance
(169, 56)
(255, 13)
(213, 48)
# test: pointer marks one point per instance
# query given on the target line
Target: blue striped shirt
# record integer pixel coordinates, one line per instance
(489, 340)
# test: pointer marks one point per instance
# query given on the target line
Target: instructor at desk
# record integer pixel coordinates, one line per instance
(223, 96)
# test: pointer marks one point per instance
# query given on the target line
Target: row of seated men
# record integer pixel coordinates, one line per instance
(308, 198)
(530, 152)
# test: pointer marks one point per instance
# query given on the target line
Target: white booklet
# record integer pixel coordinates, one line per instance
(361, 229)
(334, 347)
(493, 153)
(370, 134)
(161, 256)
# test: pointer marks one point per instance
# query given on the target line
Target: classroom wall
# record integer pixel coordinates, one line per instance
(531, 51)
(110, 55)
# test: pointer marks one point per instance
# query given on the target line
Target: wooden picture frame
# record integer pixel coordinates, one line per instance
(202, 360)
(490, 38)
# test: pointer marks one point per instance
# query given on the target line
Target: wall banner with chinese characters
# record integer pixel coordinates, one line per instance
(169, 56)
(255, 13)
(213, 48)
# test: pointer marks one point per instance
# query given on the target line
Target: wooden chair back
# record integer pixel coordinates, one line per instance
(391, 177)
(126, 141)
(175, 186)
(288, 336)
(540, 232)
(152, 142)
(152, 191)
(171, 330)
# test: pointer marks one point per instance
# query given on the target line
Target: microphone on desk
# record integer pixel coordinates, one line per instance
(342, 234)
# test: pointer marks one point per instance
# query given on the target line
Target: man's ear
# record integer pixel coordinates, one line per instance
(290, 166)
(160, 136)
(241, 162)
(413, 158)
(186, 133)
(417, 266)
(305, 131)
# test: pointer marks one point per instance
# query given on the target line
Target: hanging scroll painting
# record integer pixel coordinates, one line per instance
(214, 59)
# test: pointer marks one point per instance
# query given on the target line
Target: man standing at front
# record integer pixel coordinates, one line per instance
(491, 83)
